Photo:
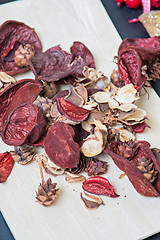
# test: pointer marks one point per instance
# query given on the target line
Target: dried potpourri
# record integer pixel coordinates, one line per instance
(18, 43)
(71, 111)
(25, 90)
(25, 124)
(133, 55)
(47, 191)
(90, 201)
(5, 81)
(56, 64)
(99, 186)
(6, 165)
(136, 159)
(66, 152)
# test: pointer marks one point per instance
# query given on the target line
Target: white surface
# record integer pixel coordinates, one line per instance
(130, 216)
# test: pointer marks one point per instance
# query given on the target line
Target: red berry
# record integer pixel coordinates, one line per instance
(133, 3)
(155, 3)
(119, 2)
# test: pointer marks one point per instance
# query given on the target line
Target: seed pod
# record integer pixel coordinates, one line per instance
(12, 35)
(25, 90)
(25, 124)
(60, 146)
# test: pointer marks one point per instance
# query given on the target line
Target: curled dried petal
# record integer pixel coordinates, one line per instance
(91, 202)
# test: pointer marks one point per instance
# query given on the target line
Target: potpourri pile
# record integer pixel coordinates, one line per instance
(94, 114)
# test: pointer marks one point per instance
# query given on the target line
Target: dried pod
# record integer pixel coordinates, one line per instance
(6, 165)
(25, 124)
(90, 201)
(23, 91)
(55, 64)
(116, 79)
(129, 163)
(47, 193)
(12, 35)
(70, 177)
(60, 146)
(23, 156)
(133, 54)
(99, 186)
(79, 49)
(71, 111)
(95, 167)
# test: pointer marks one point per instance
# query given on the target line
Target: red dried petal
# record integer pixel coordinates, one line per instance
(26, 123)
(13, 34)
(139, 127)
(100, 186)
(71, 111)
(60, 146)
(6, 165)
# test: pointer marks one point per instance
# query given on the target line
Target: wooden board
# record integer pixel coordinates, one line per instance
(131, 216)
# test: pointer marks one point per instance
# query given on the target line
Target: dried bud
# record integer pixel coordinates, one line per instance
(127, 149)
(23, 54)
(47, 193)
(95, 167)
(23, 156)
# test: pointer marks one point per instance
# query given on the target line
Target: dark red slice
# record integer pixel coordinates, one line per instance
(100, 186)
(71, 111)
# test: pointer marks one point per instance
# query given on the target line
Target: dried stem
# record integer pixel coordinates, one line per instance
(41, 171)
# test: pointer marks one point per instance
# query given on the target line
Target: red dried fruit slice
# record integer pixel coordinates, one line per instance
(6, 165)
(12, 35)
(25, 90)
(60, 146)
(71, 111)
(100, 186)
(26, 123)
